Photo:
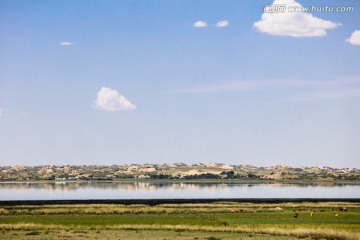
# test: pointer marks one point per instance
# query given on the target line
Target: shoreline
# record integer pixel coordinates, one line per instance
(196, 181)
(153, 202)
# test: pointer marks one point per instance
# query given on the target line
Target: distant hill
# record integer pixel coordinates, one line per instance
(179, 171)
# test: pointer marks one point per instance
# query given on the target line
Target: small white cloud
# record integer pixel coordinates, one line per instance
(65, 43)
(111, 100)
(1, 112)
(223, 23)
(200, 24)
(292, 21)
(354, 38)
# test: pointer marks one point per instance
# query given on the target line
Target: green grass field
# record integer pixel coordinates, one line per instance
(214, 221)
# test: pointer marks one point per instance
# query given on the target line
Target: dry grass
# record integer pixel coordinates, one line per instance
(276, 231)
(223, 207)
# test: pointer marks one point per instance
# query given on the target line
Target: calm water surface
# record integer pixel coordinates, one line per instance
(147, 190)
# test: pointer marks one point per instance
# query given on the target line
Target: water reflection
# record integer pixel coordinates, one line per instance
(156, 190)
(68, 186)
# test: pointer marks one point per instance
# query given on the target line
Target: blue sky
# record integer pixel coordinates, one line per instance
(155, 81)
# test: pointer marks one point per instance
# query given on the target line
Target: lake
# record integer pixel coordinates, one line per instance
(178, 190)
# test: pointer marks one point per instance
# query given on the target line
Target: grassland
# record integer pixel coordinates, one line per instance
(212, 221)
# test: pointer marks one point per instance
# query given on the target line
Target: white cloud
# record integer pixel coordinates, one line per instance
(328, 94)
(354, 38)
(200, 24)
(111, 100)
(66, 43)
(292, 21)
(1, 112)
(252, 85)
(223, 23)
(300, 90)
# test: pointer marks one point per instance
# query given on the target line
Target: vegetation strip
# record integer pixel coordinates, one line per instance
(175, 201)
(298, 232)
